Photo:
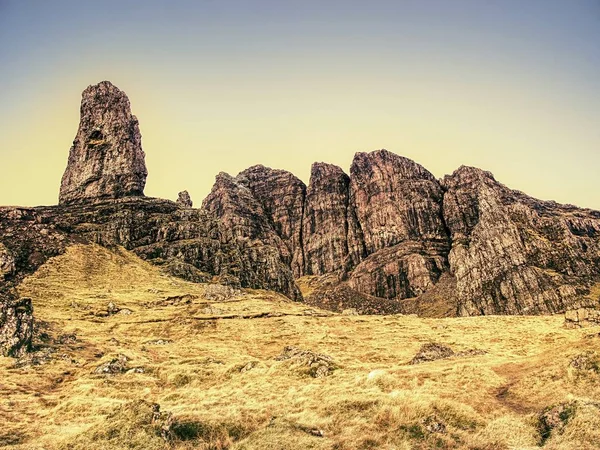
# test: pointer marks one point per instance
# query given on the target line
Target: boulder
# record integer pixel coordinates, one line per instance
(582, 317)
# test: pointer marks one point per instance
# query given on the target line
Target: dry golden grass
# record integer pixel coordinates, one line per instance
(375, 400)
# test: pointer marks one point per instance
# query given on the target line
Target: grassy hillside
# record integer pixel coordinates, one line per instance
(214, 360)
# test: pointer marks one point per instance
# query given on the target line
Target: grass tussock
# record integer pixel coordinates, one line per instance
(227, 382)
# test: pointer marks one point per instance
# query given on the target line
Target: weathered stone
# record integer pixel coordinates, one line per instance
(184, 199)
(267, 256)
(116, 365)
(186, 271)
(317, 365)
(398, 206)
(396, 200)
(434, 424)
(16, 326)
(106, 160)
(281, 195)
(402, 271)
(325, 224)
(555, 419)
(587, 361)
(328, 292)
(432, 352)
(582, 317)
(512, 254)
(7, 262)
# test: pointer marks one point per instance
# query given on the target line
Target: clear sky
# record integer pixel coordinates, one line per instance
(218, 85)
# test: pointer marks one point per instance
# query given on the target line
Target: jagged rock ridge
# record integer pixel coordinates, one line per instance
(390, 230)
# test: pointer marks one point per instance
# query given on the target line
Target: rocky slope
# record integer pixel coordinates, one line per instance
(389, 230)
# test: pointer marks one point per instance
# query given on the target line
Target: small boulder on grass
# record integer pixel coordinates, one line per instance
(432, 352)
(317, 365)
(116, 366)
(433, 424)
(587, 361)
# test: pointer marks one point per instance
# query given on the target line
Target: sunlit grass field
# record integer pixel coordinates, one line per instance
(208, 355)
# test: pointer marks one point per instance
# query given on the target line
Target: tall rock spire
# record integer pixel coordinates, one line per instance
(106, 160)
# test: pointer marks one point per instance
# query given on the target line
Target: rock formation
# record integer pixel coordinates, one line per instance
(513, 254)
(387, 238)
(7, 263)
(398, 206)
(390, 230)
(184, 199)
(243, 215)
(396, 200)
(582, 317)
(106, 160)
(325, 224)
(281, 196)
(16, 325)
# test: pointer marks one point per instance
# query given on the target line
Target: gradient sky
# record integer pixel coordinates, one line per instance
(508, 86)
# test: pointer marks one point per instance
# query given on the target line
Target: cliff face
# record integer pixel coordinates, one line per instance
(396, 200)
(187, 242)
(513, 254)
(398, 206)
(389, 237)
(106, 160)
(325, 224)
(244, 218)
(281, 196)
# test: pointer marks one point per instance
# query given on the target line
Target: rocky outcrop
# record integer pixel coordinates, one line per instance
(512, 254)
(328, 292)
(27, 240)
(396, 200)
(281, 196)
(325, 223)
(391, 230)
(187, 242)
(381, 228)
(7, 263)
(241, 213)
(16, 325)
(402, 271)
(582, 317)
(106, 160)
(184, 199)
(244, 216)
(398, 207)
